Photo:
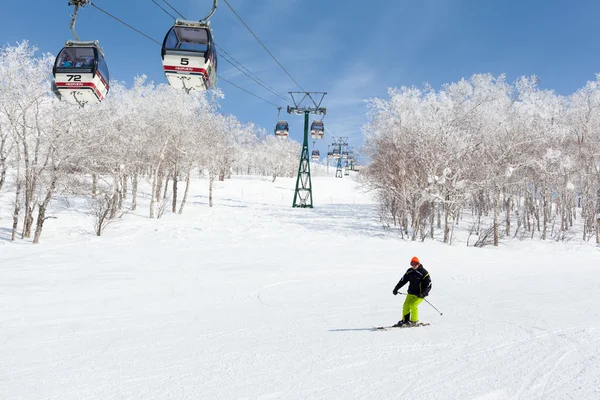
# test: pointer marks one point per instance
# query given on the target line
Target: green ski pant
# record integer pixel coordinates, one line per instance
(411, 305)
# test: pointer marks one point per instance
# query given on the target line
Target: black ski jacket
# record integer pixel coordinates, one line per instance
(420, 281)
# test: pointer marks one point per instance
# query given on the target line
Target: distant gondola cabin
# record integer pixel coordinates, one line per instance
(317, 130)
(282, 129)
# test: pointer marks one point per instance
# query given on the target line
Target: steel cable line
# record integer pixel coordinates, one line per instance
(251, 77)
(165, 11)
(239, 65)
(160, 44)
(124, 23)
(254, 78)
(253, 34)
(250, 93)
(173, 8)
(262, 44)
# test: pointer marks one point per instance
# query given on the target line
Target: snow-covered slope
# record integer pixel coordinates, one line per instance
(255, 300)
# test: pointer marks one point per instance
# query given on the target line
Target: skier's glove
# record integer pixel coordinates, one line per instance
(395, 291)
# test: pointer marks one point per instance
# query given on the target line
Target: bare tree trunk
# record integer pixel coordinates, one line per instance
(598, 216)
(94, 185)
(526, 213)
(17, 209)
(211, 180)
(187, 189)
(416, 224)
(432, 221)
(174, 208)
(42, 207)
(2, 174)
(572, 211)
(496, 239)
(159, 181)
(28, 220)
(29, 184)
(119, 191)
(153, 191)
(446, 224)
(507, 202)
(545, 214)
(165, 192)
(29, 203)
(3, 167)
(134, 188)
(116, 199)
(124, 187)
(536, 204)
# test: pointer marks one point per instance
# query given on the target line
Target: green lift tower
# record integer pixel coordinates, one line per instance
(303, 194)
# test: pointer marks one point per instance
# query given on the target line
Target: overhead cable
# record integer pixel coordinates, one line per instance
(263, 45)
(160, 44)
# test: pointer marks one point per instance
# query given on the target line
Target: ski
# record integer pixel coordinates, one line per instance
(387, 328)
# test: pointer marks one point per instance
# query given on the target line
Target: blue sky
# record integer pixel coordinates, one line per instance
(353, 50)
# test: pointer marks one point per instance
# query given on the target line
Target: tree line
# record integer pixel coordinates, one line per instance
(143, 132)
(521, 160)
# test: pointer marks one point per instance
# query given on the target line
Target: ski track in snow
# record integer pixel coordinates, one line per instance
(253, 299)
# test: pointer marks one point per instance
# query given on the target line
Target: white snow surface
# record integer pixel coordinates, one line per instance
(253, 299)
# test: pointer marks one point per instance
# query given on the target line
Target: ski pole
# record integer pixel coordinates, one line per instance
(441, 313)
(433, 306)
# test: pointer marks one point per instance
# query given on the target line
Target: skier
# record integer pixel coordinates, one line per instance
(418, 289)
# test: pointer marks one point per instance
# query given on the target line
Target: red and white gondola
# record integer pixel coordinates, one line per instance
(81, 74)
(189, 56)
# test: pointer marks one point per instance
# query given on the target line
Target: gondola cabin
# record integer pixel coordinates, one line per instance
(336, 153)
(330, 154)
(315, 155)
(317, 130)
(81, 74)
(344, 155)
(189, 56)
(282, 129)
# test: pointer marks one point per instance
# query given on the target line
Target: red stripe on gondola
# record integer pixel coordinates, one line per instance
(185, 69)
(103, 81)
(80, 85)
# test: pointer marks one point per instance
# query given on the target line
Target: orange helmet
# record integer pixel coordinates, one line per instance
(414, 260)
